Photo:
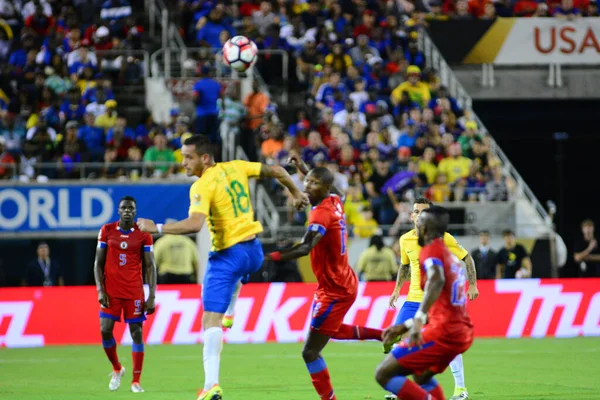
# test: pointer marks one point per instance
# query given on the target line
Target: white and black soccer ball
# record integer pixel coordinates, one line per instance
(240, 53)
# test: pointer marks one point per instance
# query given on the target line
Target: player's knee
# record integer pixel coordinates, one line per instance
(309, 355)
(136, 332)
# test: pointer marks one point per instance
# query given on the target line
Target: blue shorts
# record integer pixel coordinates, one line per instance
(408, 311)
(225, 268)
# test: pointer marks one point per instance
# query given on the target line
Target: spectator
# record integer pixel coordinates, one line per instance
(348, 116)
(108, 119)
(110, 169)
(43, 271)
(359, 96)
(6, 171)
(256, 103)
(121, 144)
(160, 153)
(209, 30)
(93, 137)
(325, 95)
(566, 10)
(176, 259)
(462, 10)
(513, 260)
(39, 22)
(264, 17)
(543, 11)
(417, 91)
(338, 60)
(377, 262)
(362, 52)
(231, 109)
(408, 137)
(485, 257)
(206, 92)
(315, 146)
(365, 225)
(81, 59)
(71, 149)
(468, 138)
(427, 165)
(414, 56)
(380, 202)
(98, 105)
(456, 166)
(497, 189)
(71, 108)
(339, 180)
(440, 191)
(29, 8)
(120, 124)
(41, 126)
(273, 145)
(587, 252)
(368, 22)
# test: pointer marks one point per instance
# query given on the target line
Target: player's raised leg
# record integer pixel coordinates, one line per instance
(107, 324)
(458, 372)
(311, 353)
(137, 355)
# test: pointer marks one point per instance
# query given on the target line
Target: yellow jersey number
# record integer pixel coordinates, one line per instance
(240, 200)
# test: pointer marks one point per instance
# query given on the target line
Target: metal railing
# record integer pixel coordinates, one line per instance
(435, 60)
(144, 55)
(131, 171)
(158, 15)
(554, 80)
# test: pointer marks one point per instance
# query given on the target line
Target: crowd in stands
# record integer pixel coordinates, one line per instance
(59, 61)
(374, 114)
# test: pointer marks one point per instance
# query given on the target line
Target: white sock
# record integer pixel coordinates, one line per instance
(231, 309)
(458, 371)
(213, 342)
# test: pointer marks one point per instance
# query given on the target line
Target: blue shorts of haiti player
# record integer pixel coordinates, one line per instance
(225, 268)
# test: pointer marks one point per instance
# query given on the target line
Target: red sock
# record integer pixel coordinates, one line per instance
(110, 348)
(137, 355)
(437, 393)
(353, 332)
(320, 379)
(411, 391)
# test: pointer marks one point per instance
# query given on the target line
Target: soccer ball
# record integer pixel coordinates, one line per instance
(240, 53)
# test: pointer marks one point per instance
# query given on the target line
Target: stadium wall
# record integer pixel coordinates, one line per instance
(535, 308)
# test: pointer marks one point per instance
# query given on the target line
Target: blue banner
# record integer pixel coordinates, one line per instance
(86, 207)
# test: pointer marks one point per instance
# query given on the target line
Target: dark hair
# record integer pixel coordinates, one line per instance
(423, 200)
(40, 244)
(377, 241)
(485, 232)
(438, 223)
(507, 232)
(203, 145)
(127, 198)
(587, 222)
(323, 174)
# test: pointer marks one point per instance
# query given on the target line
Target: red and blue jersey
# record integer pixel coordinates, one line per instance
(329, 258)
(448, 314)
(124, 255)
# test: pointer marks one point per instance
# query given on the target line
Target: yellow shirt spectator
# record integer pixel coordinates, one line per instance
(430, 170)
(176, 254)
(418, 93)
(106, 121)
(377, 264)
(455, 167)
(339, 63)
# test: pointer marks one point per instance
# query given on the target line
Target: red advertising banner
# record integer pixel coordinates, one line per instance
(281, 312)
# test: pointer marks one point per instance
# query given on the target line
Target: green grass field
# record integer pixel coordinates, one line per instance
(495, 369)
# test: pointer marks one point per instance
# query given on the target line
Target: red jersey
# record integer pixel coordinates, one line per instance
(448, 314)
(123, 267)
(329, 258)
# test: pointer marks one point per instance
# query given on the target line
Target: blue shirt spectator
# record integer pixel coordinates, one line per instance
(18, 58)
(326, 92)
(206, 93)
(72, 111)
(127, 132)
(210, 33)
(409, 137)
(89, 96)
(92, 136)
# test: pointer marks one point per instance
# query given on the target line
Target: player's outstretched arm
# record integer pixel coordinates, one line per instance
(297, 161)
(309, 241)
(152, 277)
(279, 173)
(191, 224)
(433, 289)
(472, 292)
(99, 262)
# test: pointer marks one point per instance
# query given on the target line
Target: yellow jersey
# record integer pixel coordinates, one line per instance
(455, 168)
(409, 254)
(175, 254)
(418, 93)
(222, 194)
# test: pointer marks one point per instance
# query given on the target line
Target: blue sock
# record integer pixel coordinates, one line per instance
(395, 384)
(137, 348)
(316, 366)
(429, 386)
(109, 343)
